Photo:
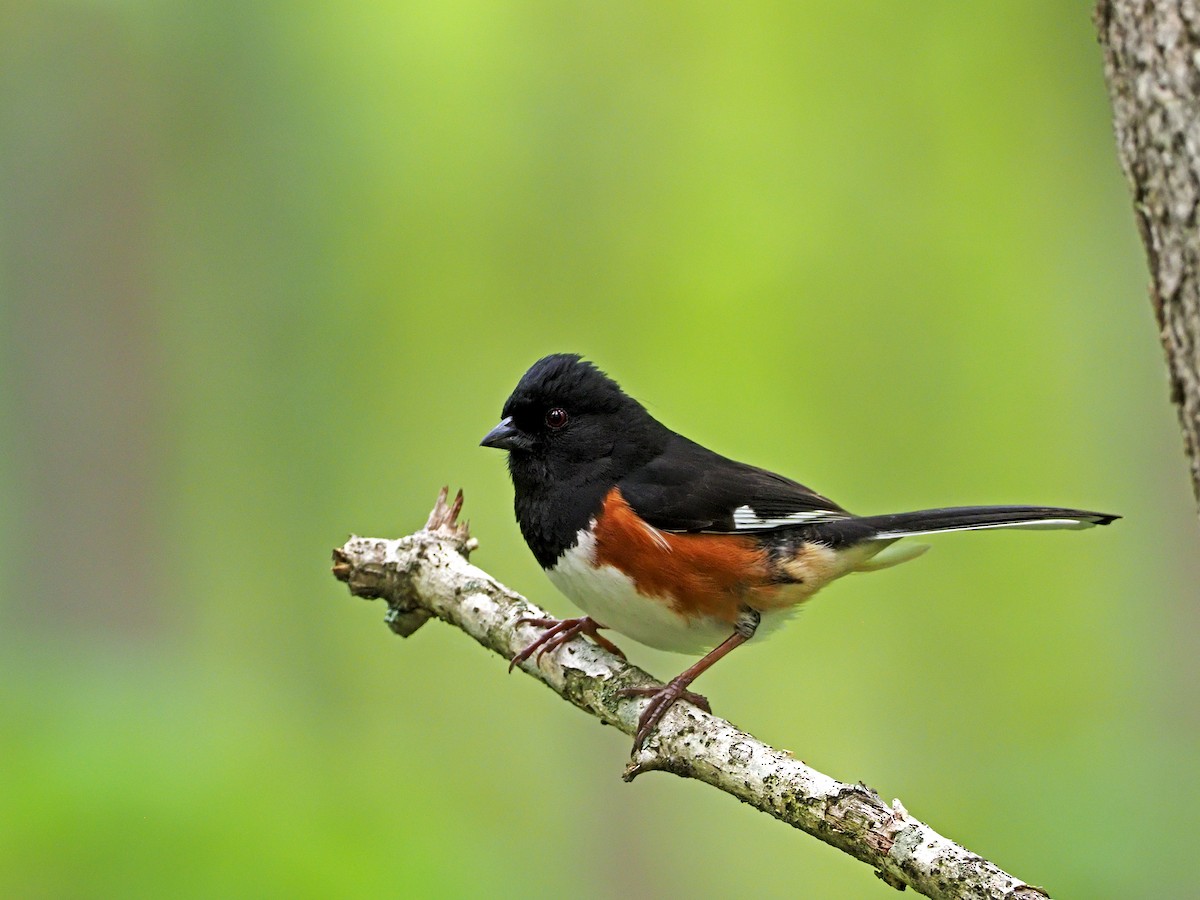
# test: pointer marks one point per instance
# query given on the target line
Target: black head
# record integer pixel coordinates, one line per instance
(568, 423)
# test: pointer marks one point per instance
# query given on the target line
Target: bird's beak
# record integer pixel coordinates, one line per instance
(506, 436)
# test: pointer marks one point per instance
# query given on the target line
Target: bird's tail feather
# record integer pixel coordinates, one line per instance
(975, 518)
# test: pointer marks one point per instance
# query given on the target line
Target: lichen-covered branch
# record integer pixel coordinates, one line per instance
(1152, 64)
(427, 575)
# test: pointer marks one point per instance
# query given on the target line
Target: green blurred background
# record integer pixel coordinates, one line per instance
(269, 271)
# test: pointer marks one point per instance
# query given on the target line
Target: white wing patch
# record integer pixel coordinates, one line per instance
(746, 519)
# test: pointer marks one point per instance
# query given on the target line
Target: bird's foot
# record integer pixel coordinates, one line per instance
(560, 631)
(661, 699)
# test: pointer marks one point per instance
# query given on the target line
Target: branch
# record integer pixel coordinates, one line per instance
(1149, 62)
(427, 574)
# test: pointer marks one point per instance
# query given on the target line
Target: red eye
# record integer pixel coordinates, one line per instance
(556, 418)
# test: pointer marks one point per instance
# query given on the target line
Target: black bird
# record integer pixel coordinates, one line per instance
(678, 547)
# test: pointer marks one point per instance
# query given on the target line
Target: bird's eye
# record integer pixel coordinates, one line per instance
(556, 418)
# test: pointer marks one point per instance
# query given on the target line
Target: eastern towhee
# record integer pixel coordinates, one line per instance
(677, 547)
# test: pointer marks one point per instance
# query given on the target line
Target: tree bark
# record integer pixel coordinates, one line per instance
(1152, 65)
(427, 575)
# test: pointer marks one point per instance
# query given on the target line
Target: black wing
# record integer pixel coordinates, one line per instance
(689, 488)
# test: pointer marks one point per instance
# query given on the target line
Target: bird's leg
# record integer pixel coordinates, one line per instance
(561, 631)
(663, 698)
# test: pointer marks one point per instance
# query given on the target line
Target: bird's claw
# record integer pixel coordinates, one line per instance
(661, 699)
(560, 632)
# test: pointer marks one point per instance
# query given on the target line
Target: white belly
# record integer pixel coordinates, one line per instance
(608, 596)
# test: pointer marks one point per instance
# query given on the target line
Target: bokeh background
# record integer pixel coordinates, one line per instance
(269, 271)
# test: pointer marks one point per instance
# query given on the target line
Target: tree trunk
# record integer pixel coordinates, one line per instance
(1152, 65)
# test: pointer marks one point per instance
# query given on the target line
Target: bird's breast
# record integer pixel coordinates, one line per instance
(680, 592)
(611, 597)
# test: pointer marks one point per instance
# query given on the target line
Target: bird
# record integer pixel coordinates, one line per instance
(680, 548)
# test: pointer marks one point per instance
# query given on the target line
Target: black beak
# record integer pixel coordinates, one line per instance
(506, 436)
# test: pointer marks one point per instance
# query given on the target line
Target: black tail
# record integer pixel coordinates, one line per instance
(973, 518)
